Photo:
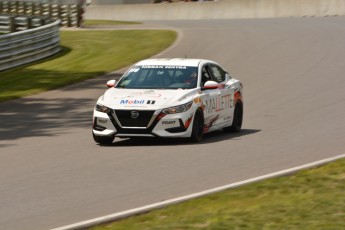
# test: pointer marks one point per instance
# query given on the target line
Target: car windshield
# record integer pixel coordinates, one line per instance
(159, 77)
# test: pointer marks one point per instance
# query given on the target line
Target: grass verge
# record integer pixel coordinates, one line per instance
(85, 54)
(310, 199)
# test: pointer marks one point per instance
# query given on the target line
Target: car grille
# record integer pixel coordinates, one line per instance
(127, 120)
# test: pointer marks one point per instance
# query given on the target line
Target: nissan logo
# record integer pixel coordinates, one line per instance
(134, 114)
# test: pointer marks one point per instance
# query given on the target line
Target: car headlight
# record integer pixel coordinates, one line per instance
(102, 108)
(178, 109)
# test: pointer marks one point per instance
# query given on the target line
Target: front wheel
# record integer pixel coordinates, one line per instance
(198, 126)
(237, 121)
(103, 140)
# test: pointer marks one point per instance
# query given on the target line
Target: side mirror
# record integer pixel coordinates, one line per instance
(227, 77)
(210, 85)
(111, 83)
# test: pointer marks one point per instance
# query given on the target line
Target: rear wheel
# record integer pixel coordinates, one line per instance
(103, 140)
(237, 121)
(198, 126)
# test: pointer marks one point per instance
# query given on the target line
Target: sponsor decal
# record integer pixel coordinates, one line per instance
(210, 123)
(147, 93)
(135, 106)
(150, 102)
(162, 67)
(152, 67)
(218, 104)
(175, 67)
(168, 122)
(134, 70)
(136, 102)
(132, 102)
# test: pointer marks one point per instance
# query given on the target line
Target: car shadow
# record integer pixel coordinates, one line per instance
(212, 137)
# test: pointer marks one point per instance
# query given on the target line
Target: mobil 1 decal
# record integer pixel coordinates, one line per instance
(150, 102)
(137, 102)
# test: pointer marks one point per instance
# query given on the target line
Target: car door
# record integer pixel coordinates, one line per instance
(211, 99)
(223, 99)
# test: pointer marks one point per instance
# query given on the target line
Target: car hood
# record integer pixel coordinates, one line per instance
(146, 99)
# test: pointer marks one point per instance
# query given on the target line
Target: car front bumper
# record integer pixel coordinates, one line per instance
(118, 123)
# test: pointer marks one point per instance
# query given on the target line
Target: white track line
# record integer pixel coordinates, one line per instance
(120, 215)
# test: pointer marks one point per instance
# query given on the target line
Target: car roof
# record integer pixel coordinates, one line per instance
(171, 61)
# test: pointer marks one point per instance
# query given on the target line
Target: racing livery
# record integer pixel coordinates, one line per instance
(176, 98)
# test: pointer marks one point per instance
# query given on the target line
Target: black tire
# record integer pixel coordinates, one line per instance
(103, 140)
(238, 118)
(198, 126)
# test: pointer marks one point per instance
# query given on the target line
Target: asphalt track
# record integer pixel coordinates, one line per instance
(53, 174)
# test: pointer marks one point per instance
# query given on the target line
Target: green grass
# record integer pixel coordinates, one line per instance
(310, 199)
(107, 23)
(85, 54)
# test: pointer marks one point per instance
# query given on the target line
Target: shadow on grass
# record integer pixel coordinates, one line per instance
(212, 137)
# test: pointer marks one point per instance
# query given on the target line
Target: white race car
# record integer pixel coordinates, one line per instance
(174, 98)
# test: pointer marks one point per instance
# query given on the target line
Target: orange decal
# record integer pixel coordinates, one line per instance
(197, 100)
(237, 96)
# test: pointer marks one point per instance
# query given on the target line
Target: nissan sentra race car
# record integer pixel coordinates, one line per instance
(173, 98)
